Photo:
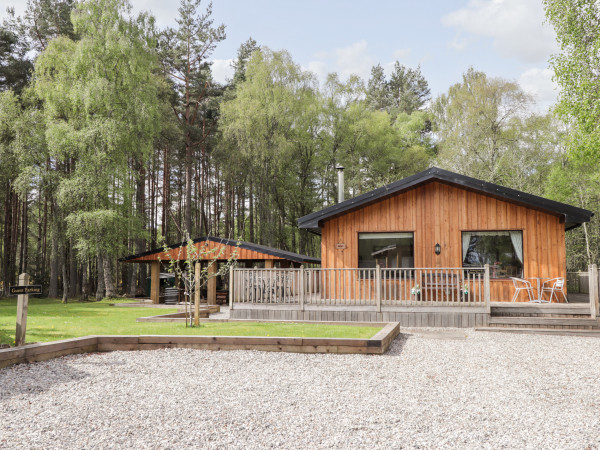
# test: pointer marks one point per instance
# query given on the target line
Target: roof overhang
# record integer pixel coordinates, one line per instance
(272, 253)
(573, 216)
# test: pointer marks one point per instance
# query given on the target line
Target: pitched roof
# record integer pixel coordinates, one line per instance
(290, 256)
(573, 216)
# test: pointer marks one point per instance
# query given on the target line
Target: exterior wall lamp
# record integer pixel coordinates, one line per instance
(438, 249)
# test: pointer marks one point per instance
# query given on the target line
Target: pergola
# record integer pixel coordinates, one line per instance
(221, 249)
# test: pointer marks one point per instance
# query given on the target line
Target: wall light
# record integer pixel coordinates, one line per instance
(438, 249)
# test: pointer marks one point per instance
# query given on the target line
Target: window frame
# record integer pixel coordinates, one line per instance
(495, 231)
(358, 233)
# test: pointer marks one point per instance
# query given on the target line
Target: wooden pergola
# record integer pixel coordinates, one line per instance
(221, 249)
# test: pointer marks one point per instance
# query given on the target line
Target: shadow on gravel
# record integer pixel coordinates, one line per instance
(30, 379)
(397, 346)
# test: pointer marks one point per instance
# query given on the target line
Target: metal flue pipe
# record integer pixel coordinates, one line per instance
(340, 172)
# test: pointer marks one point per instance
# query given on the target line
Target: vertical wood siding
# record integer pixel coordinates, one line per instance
(438, 213)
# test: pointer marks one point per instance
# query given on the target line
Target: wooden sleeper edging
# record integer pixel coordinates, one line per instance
(378, 344)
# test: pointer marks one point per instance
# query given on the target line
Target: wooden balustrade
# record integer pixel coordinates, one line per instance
(453, 286)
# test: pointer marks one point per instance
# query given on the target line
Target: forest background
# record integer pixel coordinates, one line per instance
(114, 135)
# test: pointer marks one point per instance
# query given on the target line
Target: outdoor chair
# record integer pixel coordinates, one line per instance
(553, 286)
(523, 285)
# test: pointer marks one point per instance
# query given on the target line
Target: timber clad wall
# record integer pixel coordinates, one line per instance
(438, 213)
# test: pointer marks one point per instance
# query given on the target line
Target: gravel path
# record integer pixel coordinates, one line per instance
(430, 391)
(223, 314)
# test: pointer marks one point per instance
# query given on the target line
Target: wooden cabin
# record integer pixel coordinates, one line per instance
(246, 254)
(437, 219)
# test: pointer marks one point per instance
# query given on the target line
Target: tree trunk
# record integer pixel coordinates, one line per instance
(16, 221)
(84, 282)
(72, 271)
(188, 182)
(7, 238)
(165, 203)
(24, 224)
(65, 280)
(132, 280)
(100, 272)
(140, 201)
(251, 210)
(108, 281)
(53, 287)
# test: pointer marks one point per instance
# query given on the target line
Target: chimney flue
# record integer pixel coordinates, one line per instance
(340, 171)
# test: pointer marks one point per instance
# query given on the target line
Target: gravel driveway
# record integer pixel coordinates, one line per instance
(461, 389)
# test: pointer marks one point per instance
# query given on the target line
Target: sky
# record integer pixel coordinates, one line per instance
(503, 38)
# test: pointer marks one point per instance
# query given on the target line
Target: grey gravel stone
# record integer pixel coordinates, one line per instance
(486, 391)
(223, 314)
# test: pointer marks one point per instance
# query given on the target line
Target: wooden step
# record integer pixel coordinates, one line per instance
(551, 331)
(548, 321)
(528, 308)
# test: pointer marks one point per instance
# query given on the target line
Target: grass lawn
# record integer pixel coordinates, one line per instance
(50, 320)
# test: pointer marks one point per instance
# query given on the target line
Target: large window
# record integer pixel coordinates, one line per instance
(502, 250)
(386, 249)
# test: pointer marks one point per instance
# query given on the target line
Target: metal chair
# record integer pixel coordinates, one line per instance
(523, 285)
(553, 286)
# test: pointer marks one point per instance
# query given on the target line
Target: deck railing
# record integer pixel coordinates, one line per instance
(454, 286)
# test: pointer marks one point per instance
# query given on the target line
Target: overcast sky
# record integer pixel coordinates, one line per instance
(504, 38)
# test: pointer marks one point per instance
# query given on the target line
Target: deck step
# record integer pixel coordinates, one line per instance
(551, 331)
(548, 321)
(583, 310)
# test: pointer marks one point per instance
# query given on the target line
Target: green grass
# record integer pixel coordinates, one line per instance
(50, 320)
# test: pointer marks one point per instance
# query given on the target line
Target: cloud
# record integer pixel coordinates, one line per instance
(458, 43)
(516, 28)
(319, 68)
(402, 53)
(222, 70)
(539, 83)
(351, 60)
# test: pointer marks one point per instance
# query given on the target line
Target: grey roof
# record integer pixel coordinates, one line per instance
(573, 216)
(290, 256)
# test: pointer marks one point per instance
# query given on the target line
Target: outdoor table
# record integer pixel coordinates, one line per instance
(539, 298)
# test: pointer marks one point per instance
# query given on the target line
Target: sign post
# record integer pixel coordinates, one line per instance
(22, 303)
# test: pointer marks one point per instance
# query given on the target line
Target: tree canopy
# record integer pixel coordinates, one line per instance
(115, 137)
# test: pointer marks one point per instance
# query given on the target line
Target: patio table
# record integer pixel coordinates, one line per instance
(539, 298)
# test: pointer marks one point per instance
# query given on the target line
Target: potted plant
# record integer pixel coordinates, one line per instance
(465, 292)
(416, 291)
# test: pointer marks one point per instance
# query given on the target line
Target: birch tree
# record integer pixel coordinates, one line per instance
(100, 96)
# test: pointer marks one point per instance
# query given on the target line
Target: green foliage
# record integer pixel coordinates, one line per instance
(578, 185)
(273, 122)
(15, 66)
(293, 134)
(244, 54)
(45, 20)
(485, 130)
(184, 54)
(10, 112)
(100, 97)
(405, 92)
(576, 72)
